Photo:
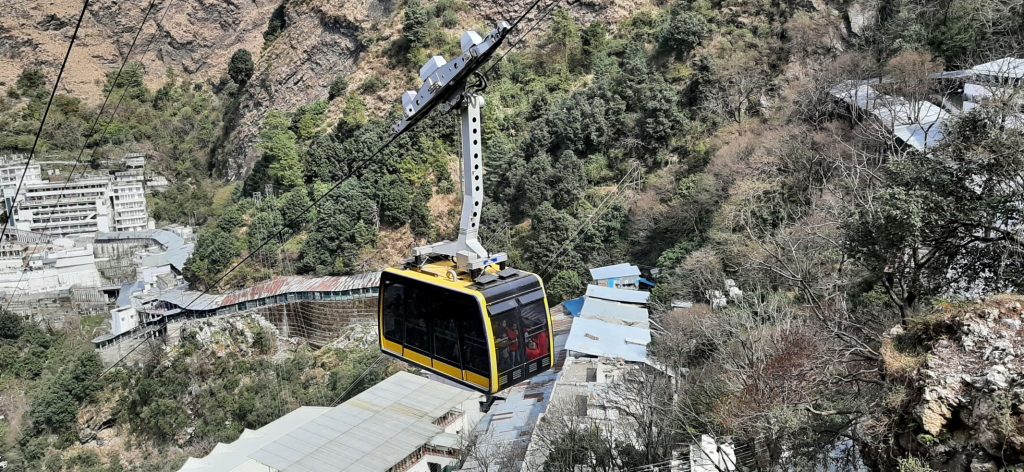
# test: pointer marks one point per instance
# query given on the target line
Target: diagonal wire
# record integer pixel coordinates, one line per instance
(355, 382)
(46, 113)
(543, 16)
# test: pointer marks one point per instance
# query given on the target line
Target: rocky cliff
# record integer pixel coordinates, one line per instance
(321, 40)
(191, 38)
(963, 407)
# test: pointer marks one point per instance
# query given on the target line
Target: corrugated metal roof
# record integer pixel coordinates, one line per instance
(294, 284)
(618, 294)
(176, 250)
(511, 420)
(234, 457)
(190, 299)
(124, 296)
(370, 432)
(856, 93)
(597, 338)
(276, 286)
(1007, 67)
(615, 312)
(618, 270)
(920, 136)
(893, 112)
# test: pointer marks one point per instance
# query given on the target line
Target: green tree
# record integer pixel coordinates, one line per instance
(338, 87)
(343, 228)
(30, 80)
(51, 408)
(414, 25)
(215, 249)
(241, 67)
(684, 31)
(281, 150)
(131, 81)
(10, 325)
(565, 285)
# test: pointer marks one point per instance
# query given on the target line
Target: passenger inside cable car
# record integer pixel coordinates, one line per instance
(441, 325)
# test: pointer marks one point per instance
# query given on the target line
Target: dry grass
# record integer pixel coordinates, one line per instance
(899, 364)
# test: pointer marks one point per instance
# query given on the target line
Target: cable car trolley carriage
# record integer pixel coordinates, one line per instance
(453, 308)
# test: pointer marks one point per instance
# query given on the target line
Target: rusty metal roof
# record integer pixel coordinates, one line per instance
(296, 284)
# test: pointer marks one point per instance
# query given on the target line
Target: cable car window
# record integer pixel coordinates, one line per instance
(476, 356)
(508, 340)
(394, 311)
(417, 319)
(446, 334)
(535, 325)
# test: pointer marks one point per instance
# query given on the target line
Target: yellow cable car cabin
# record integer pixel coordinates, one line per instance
(487, 334)
(454, 309)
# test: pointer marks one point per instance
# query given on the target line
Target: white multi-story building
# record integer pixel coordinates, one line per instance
(80, 207)
(61, 208)
(11, 175)
(128, 200)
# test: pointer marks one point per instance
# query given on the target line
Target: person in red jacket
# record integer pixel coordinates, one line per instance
(512, 334)
(537, 347)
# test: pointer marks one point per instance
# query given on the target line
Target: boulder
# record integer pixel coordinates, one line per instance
(861, 14)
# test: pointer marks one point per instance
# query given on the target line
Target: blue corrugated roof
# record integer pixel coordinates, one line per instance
(618, 270)
(618, 294)
(615, 312)
(573, 306)
(124, 296)
(597, 338)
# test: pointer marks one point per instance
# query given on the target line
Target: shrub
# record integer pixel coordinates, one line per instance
(414, 24)
(338, 87)
(373, 85)
(30, 79)
(241, 67)
(10, 326)
(684, 32)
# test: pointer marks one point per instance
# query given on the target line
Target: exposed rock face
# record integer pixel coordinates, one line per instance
(243, 334)
(350, 38)
(861, 15)
(969, 399)
(192, 38)
(323, 39)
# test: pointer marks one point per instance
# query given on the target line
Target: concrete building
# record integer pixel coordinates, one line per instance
(82, 208)
(128, 202)
(62, 265)
(406, 423)
(11, 175)
(115, 202)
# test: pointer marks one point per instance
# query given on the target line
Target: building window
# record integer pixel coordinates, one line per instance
(581, 405)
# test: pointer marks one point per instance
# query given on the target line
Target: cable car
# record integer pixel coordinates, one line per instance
(454, 308)
(487, 333)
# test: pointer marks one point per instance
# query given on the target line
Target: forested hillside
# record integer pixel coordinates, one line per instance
(696, 137)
